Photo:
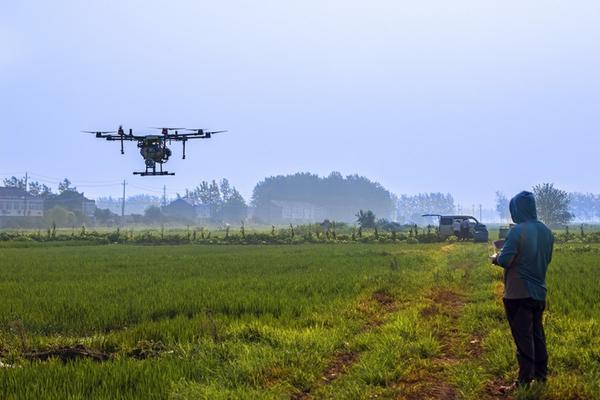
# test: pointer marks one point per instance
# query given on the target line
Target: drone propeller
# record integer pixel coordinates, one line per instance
(100, 132)
(168, 129)
(201, 131)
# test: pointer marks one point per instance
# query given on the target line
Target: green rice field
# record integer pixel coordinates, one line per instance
(306, 321)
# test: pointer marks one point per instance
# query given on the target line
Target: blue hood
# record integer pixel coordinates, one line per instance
(522, 208)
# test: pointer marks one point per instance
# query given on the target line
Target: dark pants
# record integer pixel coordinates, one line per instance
(525, 319)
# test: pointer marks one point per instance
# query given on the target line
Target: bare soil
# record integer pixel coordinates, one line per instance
(66, 354)
(431, 383)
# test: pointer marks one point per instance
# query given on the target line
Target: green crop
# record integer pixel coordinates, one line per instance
(305, 321)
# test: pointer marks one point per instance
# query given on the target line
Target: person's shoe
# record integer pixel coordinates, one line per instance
(514, 386)
(508, 388)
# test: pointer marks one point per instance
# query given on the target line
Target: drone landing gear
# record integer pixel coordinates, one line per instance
(153, 172)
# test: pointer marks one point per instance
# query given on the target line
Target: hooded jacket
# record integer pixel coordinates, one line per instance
(529, 245)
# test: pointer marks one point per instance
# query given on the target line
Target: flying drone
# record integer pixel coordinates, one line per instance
(153, 148)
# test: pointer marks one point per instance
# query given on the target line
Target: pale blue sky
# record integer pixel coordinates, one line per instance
(466, 97)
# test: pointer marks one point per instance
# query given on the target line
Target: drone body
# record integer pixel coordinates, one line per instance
(153, 148)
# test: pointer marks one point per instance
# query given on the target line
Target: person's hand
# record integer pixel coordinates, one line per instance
(494, 259)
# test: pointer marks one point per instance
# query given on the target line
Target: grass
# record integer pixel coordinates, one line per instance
(305, 321)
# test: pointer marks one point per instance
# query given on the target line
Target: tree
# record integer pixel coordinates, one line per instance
(14, 182)
(366, 219)
(38, 189)
(225, 202)
(411, 208)
(552, 204)
(35, 188)
(226, 190)
(584, 206)
(105, 216)
(205, 193)
(153, 214)
(502, 206)
(61, 217)
(234, 208)
(214, 194)
(65, 186)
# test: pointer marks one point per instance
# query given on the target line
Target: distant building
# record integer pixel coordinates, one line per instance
(186, 209)
(74, 201)
(180, 208)
(88, 207)
(295, 211)
(15, 202)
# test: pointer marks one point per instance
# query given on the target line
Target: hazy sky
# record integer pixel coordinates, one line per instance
(466, 97)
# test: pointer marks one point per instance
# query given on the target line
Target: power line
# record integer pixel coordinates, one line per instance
(48, 179)
(146, 189)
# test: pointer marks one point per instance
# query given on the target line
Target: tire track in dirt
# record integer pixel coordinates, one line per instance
(432, 382)
(374, 310)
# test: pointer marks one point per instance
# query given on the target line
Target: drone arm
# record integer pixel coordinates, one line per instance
(184, 149)
(123, 138)
(198, 134)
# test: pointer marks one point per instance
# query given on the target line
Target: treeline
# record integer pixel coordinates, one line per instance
(209, 202)
(585, 206)
(556, 207)
(335, 196)
(224, 201)
(411, 208)
(136, 204)
(282, 199)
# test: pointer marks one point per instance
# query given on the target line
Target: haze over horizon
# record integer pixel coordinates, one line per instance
(464, 97)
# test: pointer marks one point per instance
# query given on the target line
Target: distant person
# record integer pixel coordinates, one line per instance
(456, 228)
(464, 229)
(525, 257)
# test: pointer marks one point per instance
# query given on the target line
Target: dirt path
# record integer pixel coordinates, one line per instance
(374, 311)
(432, 382)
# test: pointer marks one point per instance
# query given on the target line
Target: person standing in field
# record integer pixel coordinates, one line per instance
(464, 229)
(525, 257)
(456, 228)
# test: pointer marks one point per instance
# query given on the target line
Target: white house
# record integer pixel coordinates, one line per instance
(15, 202)
(295, 211)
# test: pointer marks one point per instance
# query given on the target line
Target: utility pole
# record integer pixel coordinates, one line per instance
(26, 194)
(123, 199)
(480, 213)
(164, 199)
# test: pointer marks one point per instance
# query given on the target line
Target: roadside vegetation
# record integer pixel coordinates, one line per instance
(380, 231)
